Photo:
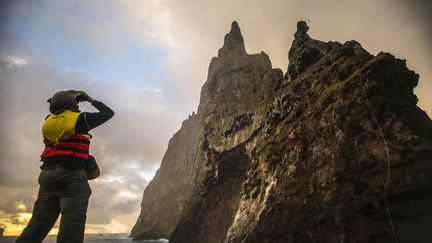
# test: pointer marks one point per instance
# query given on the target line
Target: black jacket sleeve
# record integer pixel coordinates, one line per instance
(89, 120)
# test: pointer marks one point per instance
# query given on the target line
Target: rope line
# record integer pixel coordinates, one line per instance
(388, 165)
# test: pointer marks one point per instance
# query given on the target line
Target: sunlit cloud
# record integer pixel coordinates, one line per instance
(21, 207)
(10, 61)
(14, 223)
(129, 195)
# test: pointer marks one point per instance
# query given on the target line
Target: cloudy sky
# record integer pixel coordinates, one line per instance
(147, 60)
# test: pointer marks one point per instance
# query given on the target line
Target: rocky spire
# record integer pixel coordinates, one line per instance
(233, 43)
(304, 51)
(300, 37)
(302, 29)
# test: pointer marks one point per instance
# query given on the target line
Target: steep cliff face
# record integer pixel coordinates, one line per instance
(170, 189)
(308, 156)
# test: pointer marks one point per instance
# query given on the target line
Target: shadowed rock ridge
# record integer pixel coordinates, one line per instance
(297, 157)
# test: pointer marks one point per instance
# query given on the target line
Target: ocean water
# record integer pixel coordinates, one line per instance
(96, 238)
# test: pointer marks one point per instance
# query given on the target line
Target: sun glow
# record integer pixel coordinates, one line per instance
(14, 224)
(21, 207)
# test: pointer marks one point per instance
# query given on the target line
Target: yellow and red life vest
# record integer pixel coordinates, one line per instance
(60, 137)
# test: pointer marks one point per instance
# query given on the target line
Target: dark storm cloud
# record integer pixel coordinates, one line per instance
(5, 8)
(421, 10)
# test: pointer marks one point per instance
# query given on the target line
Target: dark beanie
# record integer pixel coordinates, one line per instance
(60, 101)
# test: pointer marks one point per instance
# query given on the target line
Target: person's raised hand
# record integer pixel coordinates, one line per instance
(83, 96)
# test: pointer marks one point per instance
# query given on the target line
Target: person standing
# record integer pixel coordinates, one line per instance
(66, 169)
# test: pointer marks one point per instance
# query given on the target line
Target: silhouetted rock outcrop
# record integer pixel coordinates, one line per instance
(300, 157)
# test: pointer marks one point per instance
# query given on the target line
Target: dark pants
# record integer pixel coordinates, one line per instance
(61, 191)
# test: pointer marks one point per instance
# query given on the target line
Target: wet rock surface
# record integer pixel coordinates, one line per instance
(305, 156)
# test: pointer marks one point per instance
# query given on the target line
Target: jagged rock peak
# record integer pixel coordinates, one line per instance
(305, 51)
(233, 42)
(302, 29)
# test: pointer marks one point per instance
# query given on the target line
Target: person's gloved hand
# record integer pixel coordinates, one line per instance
(83, 96)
